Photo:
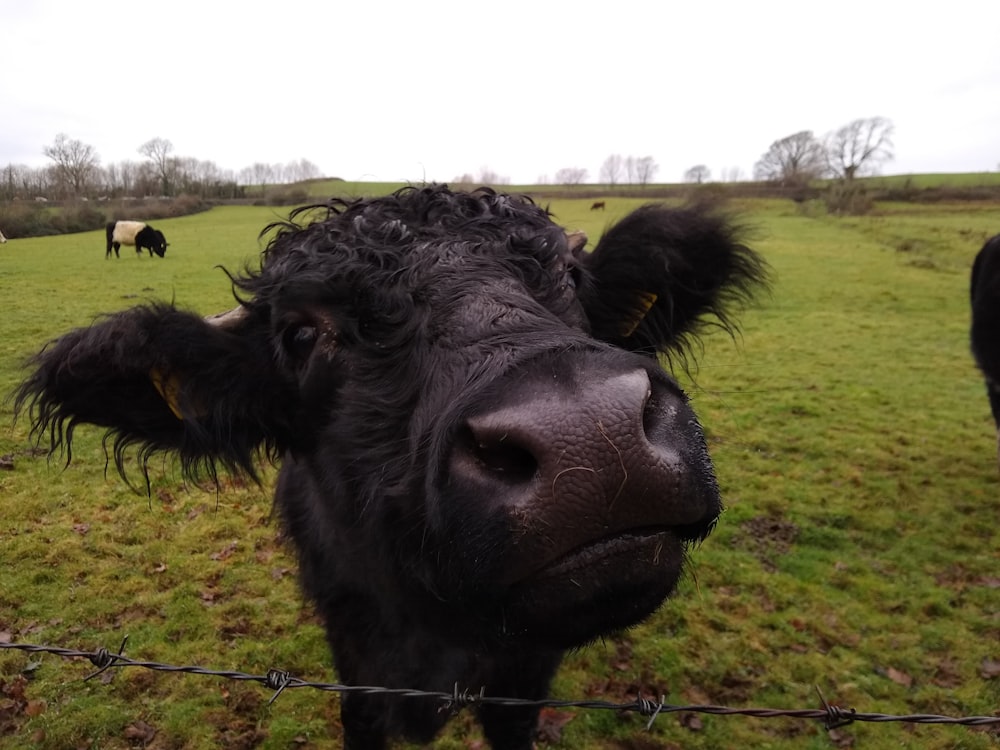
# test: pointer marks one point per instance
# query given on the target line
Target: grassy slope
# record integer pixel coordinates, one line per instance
(858, 552)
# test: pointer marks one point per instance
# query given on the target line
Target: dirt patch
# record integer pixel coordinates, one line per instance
(767, 538)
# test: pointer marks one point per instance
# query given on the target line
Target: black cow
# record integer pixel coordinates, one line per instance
(985, 333)
(134, 233)
(597, 206)
(482, 462)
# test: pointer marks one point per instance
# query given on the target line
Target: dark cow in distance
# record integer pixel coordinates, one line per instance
(597, 206)
(136, 233)
(482, 462)
(985, 332)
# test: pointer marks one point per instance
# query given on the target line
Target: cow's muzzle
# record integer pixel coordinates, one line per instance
(600, 469)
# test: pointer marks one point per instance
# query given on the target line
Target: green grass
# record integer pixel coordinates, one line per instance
(859, 552)
(958, 179)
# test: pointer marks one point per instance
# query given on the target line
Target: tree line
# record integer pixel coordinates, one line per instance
(858, 148)
(616, 170)
(76, 171)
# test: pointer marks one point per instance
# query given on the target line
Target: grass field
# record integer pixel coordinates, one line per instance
(859, 552)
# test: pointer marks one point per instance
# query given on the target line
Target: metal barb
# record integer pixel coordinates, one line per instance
(835, 717)
(277, 680)
(832, 716)
(459, 700)
(104, 659)
(649, 708)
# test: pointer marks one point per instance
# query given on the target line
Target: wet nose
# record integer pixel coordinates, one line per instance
(610, 451)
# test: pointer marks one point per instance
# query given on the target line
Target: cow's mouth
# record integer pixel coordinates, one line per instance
(627, 547)
(597, 588)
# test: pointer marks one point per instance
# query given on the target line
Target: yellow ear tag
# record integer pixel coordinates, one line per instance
(168, 389)
(645, 302)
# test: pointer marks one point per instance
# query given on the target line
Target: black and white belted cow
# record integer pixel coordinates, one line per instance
(483, 463)
(136, 233)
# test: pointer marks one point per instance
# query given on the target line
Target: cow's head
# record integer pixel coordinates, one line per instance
(469, 407)
(159, 243)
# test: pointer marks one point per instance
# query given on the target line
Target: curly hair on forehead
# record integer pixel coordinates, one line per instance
(409, 216)
(400, 238)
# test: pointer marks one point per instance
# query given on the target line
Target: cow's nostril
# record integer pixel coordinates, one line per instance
(507, 460)
(500, 457)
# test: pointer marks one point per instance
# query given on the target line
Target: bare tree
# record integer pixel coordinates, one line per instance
(732, 174)
(860, 147)
(645, 168)
(303, 169)
(571, 175)
(611, 169)
(793, 160)
(17, 180)
(630, 169)
(74, 163)
(157, 150)
(488, 177)
(698, 174)
(128, 172)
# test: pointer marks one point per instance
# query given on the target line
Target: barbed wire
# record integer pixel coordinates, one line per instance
(279, 680)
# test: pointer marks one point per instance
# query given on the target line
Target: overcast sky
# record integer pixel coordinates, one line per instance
(426, 90)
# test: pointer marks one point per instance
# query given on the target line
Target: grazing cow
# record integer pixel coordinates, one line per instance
(597, 206)
(985, 333)
(482, 461)
(135, 233)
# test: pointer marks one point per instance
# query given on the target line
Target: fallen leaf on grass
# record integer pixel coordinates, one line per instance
(140, 731)
(14, 689)
(840, 739)
(900, 678)
(226, 552)
(947, 674)
(989, 669)
(691, 721)
(551, 723)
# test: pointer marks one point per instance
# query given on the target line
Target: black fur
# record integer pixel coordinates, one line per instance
(985, 331)
(385, 347)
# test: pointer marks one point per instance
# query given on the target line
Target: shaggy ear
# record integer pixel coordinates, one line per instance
(657, 273)
(163, 380)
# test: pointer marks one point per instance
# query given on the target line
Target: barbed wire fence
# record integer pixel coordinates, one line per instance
(276, 680)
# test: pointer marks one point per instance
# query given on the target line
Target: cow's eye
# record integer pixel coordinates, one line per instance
(299, 341)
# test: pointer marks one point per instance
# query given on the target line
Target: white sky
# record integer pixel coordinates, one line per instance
(427, 90)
